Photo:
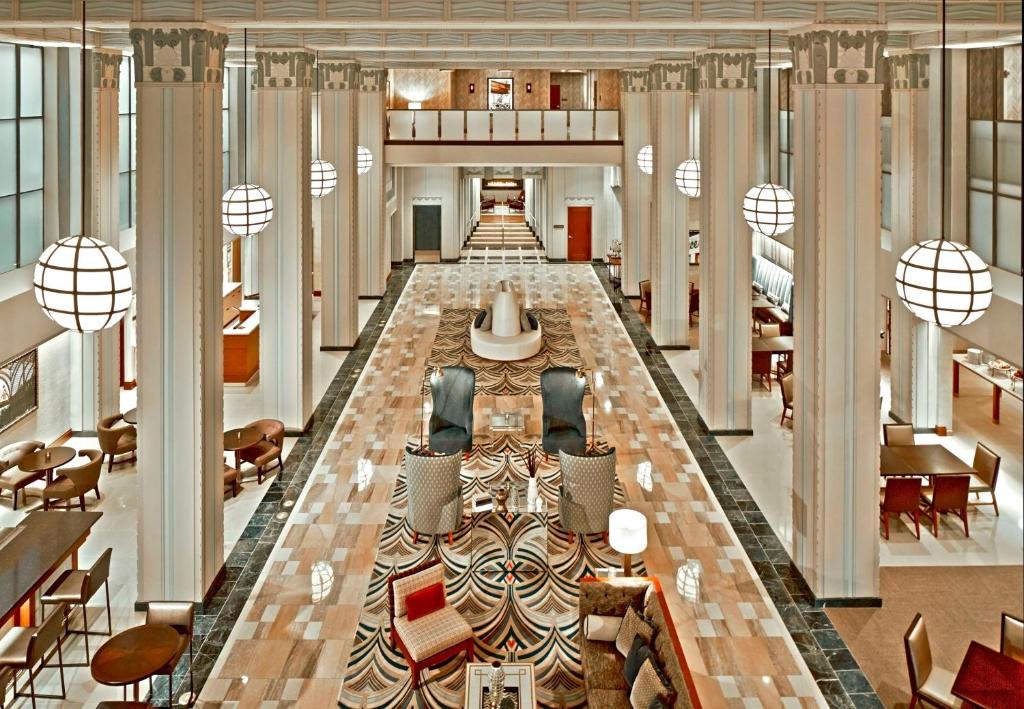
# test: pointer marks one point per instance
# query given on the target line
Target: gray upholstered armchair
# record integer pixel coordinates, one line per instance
(433, 493)
(565, 429)
(451, 420)
(587, 493)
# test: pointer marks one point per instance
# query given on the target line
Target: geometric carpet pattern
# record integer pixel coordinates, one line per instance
(514, 577)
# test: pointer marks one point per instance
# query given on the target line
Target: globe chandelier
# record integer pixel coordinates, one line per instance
(246, 209)
(80, 282)
(769, 208)
(364, 160)
(323, 176)
(942, 281)
(645, 159)
(688, 171)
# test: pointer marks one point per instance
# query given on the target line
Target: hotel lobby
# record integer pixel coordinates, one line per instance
(501, 355)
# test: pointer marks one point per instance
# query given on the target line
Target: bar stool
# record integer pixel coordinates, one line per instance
(22, 648)
(75, 587)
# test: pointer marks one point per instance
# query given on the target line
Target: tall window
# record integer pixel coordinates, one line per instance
(785, 131)
(994, 149)
(886, 77)
(126, 142)
(226, 131)
(21, 145)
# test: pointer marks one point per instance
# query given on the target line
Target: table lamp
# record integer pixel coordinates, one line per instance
(627, 534)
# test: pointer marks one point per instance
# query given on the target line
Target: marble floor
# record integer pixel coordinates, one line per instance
(288, 650)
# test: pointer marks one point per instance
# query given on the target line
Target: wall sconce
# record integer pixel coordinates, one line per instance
(529, 87)
(472, 88)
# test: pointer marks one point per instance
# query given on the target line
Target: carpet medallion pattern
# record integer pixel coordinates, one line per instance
(515, 578)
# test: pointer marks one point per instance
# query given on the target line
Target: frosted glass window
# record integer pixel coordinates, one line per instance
(30, 232)
(1008, 243)
(886, 200)
(8, 242)
(126, 144)
(135, 203)
(784, 168)
(123, 145)
(887, 144)
(124, 91)
(31, 154)
(784, 126)
(981, 149)
(31, 82)
(980, 226)
(8, 166)
(124, 203)
(1009, 158)
(8, 86)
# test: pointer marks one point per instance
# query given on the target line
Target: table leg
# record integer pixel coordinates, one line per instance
(74, 558)
(238, 463)
(135, 691)
(997, 395)
(956, 378)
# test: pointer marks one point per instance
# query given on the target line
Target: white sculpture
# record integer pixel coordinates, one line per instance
(507, 334)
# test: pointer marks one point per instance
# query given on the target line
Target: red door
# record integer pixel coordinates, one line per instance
(556, 97)
(579, 234)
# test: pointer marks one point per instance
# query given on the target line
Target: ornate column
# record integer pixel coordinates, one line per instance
(179, 77)
(339, 130)
(728, 164)
(837, 181)
(282, 155)
(636, 186)
(671, 88)
(374, 250)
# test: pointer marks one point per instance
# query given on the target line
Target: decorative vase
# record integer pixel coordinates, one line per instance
(497, 688)
(531, 493)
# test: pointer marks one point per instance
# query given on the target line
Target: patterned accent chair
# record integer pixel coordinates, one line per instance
(587, 494)
(11, 476)
(433, 493)
(433, 638)
(565, 429)
(451, 421)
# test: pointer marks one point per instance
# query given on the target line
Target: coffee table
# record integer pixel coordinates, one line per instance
(519, 680)
(512, 541)
(135, 654)
(46, 460)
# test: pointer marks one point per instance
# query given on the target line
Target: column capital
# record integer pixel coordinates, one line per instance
(338, 76)
(106, 68)
(183, 53)
(909, 69)
(283, 69)
(671, 76)
(720, 69)
(372, 79)
(837, 53)
(635, 81)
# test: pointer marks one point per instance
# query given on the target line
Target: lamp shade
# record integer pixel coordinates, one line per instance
(364, 160)
(627, 531)
(323, 178)
(645, 159)
(943, 282)
(246, 210)
(83, 284)
(769, 209)
(688, 178)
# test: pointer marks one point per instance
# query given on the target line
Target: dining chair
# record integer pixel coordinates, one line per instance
(898, 434)
(75, 481)
(694, 309)
(901, 496)
(786, 386)
(928, 683)
(23, 648)
(1011, 639)
(180, 615)
(116, 440)
(76, 587)
(949, 494)
(645, 297)
(986, 463)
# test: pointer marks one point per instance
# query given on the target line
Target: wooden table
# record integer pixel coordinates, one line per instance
(1000, 383)
(518, 676)
(925, 460)
(131, 416)
(45, 460)
(39, 546)
(990, 679)
(774, 345)
(135, 654)
(238, 438)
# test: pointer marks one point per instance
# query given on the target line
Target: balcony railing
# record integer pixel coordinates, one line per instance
(452, 126)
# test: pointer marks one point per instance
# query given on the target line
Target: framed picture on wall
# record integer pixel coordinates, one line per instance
(500, 93)
(19, 388)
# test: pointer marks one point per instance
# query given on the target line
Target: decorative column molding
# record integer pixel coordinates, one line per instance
(339, 215)
(374, 250)
(671, 86)
(282, 156)
(636, 186)
(728, 108)
(837, 121)
(179, 74)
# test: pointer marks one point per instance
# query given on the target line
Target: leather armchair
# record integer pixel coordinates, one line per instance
(587, 494)
(11, 477)
(564, 427)
(266, 454)
(116, 440)
(451, 419)
(75, 481)
(433, 493)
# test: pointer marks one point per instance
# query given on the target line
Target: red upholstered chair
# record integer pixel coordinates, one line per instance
(902, 495)
(430, 639)
(948, 495)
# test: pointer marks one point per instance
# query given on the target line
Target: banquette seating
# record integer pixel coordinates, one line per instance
(776, 283)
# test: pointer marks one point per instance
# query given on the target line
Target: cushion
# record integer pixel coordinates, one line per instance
(479, 319)
(650, 684)
(602, 666)
(640, 652)
(407, 584)
(425, 601)
(433, 633)
(657, 703)
(633, 624)
(602, 627)
(488, 319)
(524, 321)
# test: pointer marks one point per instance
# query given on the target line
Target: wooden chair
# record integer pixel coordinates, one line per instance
(1011, 639)
(645, 297)
(116, 440)
(265, 455)
(898, 434)
(901, 496)
(928, 683)
(180, 615)
(76, 481)
(986, 462)
(948, 495)
(786, 385)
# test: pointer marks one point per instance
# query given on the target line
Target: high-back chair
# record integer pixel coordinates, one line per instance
(116, 440)
(24, 648)
(75, 481)
(12, 478)
(932, 684)
(949, 494)
(986, 463)
(902, 496)
(1011, 639)
(564, 427)
(898, 434)
(451, 419)
(786, 385)
(76, 587)
(433, 493)
(586, 495)
(180, 615)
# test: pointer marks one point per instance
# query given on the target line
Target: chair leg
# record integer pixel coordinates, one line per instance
(110, 627)
(450, 538)
(60, 667)
(885, 523)
(917, 524)
(81, 502)
(32, 687)
(994, 505)
(85, 627)
(963, 516)
(110, 465)
(415, 536)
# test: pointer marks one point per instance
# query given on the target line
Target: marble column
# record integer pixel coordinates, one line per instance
(374, 255)
(671, 87)
(636, 186)
(96, 390)
(339, 131)
(837, 186)
(282, 155)
(728, 169)
(179, 77)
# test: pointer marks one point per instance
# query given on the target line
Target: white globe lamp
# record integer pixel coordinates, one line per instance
(323, 178)
(769, 209)
(364, 160)
(645, 159)
(688, 178)
(246, 210)
(83, 284)
(944, 282)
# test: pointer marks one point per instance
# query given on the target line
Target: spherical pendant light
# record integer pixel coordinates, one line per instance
(688, 178)
(364, 160)
(83, 284)
(944, 282)
(246, 210)
(645, 159)
(323, 178)
(769, 209)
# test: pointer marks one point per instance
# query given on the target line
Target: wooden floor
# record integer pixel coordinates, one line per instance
(287, 650)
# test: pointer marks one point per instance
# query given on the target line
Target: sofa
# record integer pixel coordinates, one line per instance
(500, 332)
(603, 678)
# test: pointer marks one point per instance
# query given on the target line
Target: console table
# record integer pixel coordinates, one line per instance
(1000, 383)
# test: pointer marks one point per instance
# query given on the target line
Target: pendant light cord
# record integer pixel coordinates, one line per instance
(316, 124)
(84, 119)
(769, 121)
(942, 127)
(245, 106)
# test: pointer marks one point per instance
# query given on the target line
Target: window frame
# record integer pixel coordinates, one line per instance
(784, 98)
(129, 221)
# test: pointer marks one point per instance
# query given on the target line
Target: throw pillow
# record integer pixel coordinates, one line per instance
(479, 319)
(425, 601)
(602, 627)
(524, 321)
(488, 317)
(633, 624)
(534, 323)
(635, 659)
(650, 684)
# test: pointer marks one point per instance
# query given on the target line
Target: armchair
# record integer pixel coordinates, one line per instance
(11, 477)
(451, 420)
(433, 493)
(116, 440)
(587, 494)
(266, 454)
(564, 427)
(76, 481)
